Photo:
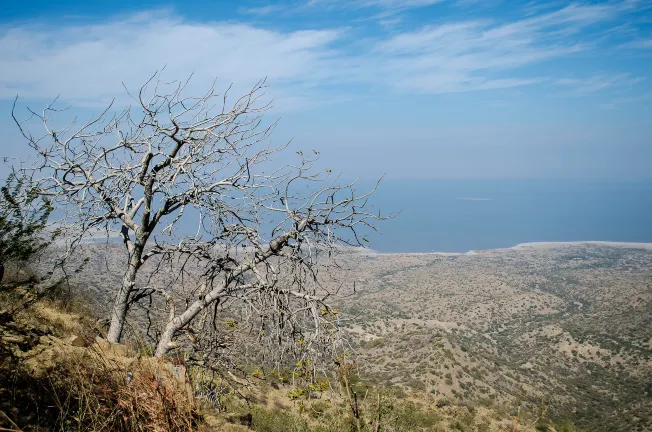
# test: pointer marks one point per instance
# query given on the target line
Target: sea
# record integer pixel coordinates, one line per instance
(466, 215)
(469, 215)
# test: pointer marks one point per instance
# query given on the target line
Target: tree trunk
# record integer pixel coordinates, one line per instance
(2, 271)
(177, 323)
(121, 303)
(165, 343)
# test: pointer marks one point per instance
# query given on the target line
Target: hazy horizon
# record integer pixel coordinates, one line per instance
(437, 216)
(414, 89)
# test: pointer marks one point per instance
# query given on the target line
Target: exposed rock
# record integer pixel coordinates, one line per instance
(75, 340)
(12, 339)
(243, 419)
(113, 349)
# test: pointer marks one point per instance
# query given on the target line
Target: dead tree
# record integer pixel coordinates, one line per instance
(276, 283)
(141, 171)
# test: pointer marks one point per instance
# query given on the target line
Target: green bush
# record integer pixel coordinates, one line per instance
(409, 417)
(23, 220)
(277, 421)
(318, 409)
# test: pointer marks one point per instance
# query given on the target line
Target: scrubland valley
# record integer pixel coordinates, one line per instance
(558, 331)
(568, 327)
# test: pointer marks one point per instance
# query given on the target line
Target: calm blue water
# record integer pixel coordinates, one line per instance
(433, 218)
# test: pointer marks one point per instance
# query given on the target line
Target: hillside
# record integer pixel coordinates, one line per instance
(567, 327)
(58, 374)
(560, 329)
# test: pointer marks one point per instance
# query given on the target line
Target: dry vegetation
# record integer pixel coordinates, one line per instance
(568, 328)
(57, 374)
(561, 331)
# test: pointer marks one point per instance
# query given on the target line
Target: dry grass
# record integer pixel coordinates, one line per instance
(97, 394)
(56, 375)
(53, 379)
(54, 382)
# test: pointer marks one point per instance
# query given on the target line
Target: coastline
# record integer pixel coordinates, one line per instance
(546, 245)
(525, 246)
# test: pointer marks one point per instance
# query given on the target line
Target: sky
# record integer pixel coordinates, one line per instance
(414, 89)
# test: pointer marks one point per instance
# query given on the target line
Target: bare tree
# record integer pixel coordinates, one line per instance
(263, 229)
(277, 284)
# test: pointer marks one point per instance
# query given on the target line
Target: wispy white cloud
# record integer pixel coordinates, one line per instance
(87, 63)
(398, 4)
(264, 10)
(482, 54)
(639, 43)
(478, 4)
(597, 83)
(617, 103)
(386, 5)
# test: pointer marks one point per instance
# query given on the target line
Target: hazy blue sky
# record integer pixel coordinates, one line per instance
(414, 88)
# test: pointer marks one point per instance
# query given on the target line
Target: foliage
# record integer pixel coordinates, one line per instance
(23, 221)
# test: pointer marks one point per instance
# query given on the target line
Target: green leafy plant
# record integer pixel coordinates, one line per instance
(23, 221)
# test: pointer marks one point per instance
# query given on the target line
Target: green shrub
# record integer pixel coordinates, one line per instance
(23, 220)
(277, 421)
(319, 408)
(409, 417)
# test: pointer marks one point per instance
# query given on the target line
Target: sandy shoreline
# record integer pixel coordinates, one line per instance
(545, 245)
(529, 245)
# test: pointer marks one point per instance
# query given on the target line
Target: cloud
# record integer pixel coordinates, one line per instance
(88, 63)
(398, 4)
(263, 10)
(385, 5)
(482, 54)
(640, 43)
(616, 103)
(597, 83)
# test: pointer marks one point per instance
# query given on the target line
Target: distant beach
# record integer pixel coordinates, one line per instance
(520, 246)
(547, 245)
